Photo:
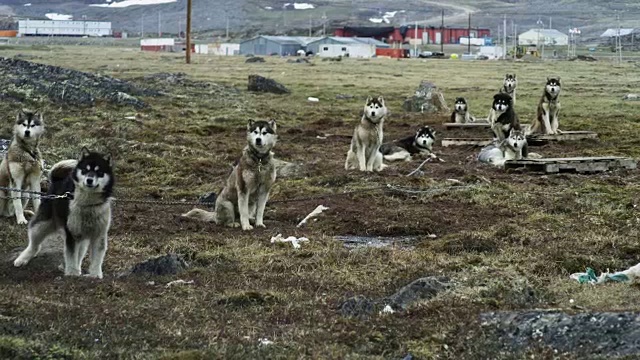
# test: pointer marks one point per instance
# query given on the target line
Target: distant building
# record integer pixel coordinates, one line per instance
(627, 37)
(397, 36)
(547, 37)
(64, 28)
(224, 49)
(160, 44)
(275, 45)
(318, 46)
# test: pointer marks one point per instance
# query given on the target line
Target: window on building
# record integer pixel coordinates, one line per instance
(344, 49)
(325, 48)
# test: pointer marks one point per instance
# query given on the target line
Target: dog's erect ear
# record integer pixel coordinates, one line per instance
(109, 159)
(558, 79)
(369, 100)
(273, 124)
(514, 76)
(381, 100)
(84, 152)
(250, 124)
(21, 115)
(548, 78)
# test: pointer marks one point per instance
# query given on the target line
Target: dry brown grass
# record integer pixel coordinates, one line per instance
(510, 244)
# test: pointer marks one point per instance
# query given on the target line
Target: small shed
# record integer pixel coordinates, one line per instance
(157, 44)
(318, 45)
(351, 50)
(224, 49)
(543, 36)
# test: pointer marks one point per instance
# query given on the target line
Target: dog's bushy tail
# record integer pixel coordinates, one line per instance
(199, 214)
(61, 170)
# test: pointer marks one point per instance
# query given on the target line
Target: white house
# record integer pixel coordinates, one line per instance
(224, 49)
(350, 50)
(543, 36)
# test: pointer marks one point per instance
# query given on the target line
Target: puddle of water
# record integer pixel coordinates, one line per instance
(353, 242)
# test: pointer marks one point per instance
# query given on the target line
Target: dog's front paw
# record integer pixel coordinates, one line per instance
(22, 221)
(247, 227)
(94, 276)
(233, 225)
(20, 261)
(261, 225)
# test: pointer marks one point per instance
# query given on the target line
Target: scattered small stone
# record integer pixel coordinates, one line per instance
(419, 290)
(258, 83)
(631, 97)
(254, 59)
(285, 169)
(170, 264)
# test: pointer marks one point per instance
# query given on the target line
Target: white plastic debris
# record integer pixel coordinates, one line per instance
(179, 282)
(264, 342)
(318, 210)
(292, 239)
(313, 99)
(387, 310)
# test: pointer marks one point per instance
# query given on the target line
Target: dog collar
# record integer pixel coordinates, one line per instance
(258, 156)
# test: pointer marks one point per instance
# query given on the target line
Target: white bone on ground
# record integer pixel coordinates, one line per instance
(318, 210)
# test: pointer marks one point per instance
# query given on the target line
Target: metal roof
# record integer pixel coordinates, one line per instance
(355, 40)
(298, 40)
(614, 32)
(545, 32)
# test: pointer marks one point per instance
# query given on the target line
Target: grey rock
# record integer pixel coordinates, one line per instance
(419, 290)
(590, 334)
(289, 170)
(358, 306)
(170, 264)
(258, 83)
(427, 99)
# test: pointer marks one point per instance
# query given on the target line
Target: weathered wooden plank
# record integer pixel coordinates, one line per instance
(466, 141)
(577, 164)
(476, 125)
(564, 136)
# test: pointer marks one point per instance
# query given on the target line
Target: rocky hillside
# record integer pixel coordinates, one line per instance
(248, 17)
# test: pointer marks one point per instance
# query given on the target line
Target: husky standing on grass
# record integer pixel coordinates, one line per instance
(419, 143)
(502, 117)
(21, 167)
(82, 220)
(460, 114)
(509, 85)
(546, 120)
(247, 191)
(512, 148)
(364, 153)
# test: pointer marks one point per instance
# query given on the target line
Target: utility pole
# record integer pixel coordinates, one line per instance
(142, 26)
(324, 24)
(226, 15)
(442, 33)
(515, 39)
(469, 37)
(310, 25)
(504, 41)
(415, 40)
(159, 23)
(188, 32)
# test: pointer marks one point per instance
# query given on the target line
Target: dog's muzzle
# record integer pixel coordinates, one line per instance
(258, 141)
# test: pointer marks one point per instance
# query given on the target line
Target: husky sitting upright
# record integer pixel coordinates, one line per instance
(247, 191)
(460, 114)
(21, 167)
(83, 220)
(509, 85)
(512, 148)
(502, 117)
(419, 143)
(364, 152)
(546, 120)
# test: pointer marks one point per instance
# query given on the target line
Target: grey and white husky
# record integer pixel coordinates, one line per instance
(247, 191)
(513, 147)
(509, 85)
(21, 167)
(546, 120)
(419, 143)
(83, 220)
(364, 153)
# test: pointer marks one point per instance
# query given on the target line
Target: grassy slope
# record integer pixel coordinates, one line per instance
(510, 244)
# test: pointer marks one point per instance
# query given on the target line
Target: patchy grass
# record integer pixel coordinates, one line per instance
(508, 243)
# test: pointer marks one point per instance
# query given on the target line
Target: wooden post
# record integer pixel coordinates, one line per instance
(188, 32)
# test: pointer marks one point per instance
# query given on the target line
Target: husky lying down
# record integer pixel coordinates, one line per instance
(513, 147)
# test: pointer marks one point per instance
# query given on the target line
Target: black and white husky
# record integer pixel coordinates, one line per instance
(513, 147)
(460, 114)
(509, 85)
(546, 121)
(82, 219)
(419, 143)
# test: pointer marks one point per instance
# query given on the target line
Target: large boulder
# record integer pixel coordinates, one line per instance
(427, 98)
(258, 83)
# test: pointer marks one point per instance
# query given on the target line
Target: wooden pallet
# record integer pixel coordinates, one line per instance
(576, 164)
(466, 141)
(564, 136)
(475, 125)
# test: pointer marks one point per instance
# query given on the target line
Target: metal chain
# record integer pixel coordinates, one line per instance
(276, 201)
